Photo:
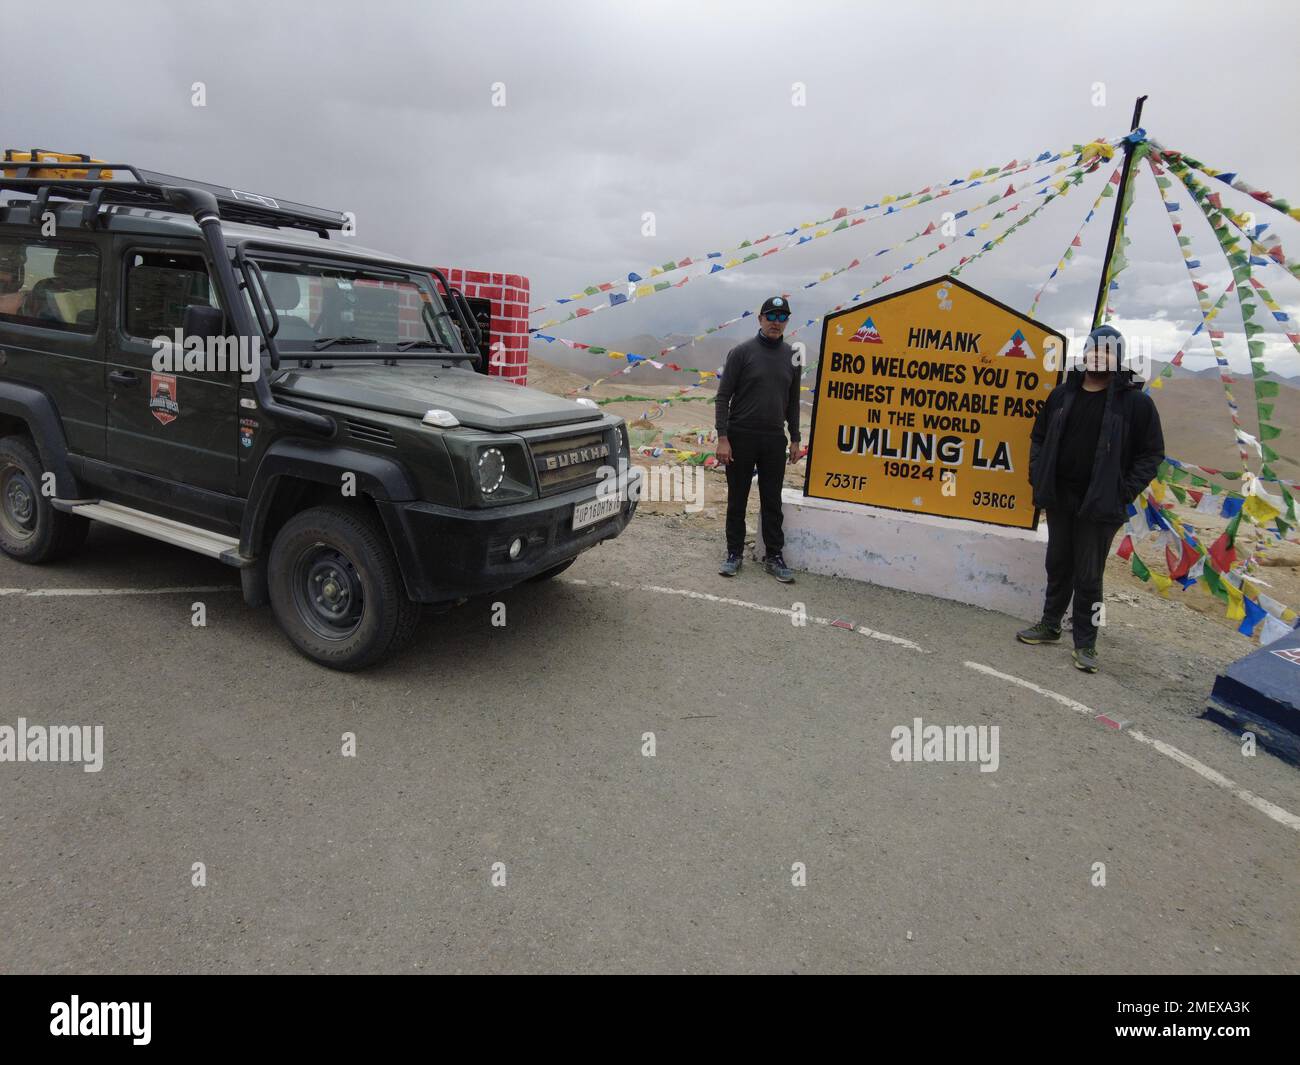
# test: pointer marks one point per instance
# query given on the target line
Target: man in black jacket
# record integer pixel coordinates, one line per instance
(1095, 445)
(758, 400)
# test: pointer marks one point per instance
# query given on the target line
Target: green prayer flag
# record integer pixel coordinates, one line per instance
(1139, 568)
(1211, 578)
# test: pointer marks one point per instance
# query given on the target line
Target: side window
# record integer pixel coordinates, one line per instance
(159, 286)
(52, 284)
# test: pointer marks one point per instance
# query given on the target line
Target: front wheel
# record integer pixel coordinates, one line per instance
(336, 588)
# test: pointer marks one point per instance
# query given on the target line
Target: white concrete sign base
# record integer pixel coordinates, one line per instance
(984, 565)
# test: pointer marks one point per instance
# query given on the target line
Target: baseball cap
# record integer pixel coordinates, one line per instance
(775, 303)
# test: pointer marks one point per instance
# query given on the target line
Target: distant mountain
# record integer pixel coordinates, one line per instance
(1211, 373)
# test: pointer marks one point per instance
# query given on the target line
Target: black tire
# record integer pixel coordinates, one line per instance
(336, 588)
(31, 530)
(554, 571)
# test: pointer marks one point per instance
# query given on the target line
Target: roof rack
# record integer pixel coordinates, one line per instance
(100, 183)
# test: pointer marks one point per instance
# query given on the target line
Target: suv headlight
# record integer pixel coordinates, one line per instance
(491, 470)
(499, 471)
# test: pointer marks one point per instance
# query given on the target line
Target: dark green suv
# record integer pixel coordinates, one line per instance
(208, 367)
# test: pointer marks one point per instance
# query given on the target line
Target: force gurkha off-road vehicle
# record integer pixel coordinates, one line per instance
(207, 367)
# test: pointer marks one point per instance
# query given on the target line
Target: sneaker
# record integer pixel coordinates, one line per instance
(775, 565)
(731, 566)
(1039, 633)
(1085, 658)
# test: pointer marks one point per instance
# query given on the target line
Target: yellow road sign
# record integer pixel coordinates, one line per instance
(925, 400)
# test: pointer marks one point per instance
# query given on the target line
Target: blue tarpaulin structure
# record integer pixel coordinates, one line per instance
(1261, 693)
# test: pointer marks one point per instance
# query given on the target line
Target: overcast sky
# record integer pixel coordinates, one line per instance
(686, 110)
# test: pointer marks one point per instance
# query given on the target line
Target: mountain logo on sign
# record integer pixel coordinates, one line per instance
(1017, 347)
(867, 333)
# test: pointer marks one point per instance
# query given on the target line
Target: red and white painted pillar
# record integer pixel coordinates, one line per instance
(508, 294)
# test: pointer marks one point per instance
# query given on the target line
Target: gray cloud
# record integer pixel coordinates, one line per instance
(683, 109)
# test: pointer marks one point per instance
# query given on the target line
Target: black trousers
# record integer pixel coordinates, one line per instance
(1076, 558)
(766, 452)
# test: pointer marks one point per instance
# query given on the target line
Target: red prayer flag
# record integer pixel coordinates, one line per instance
(1178, 566)
(1223, 553)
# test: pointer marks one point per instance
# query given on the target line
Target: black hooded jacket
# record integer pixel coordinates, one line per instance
(1130, 447)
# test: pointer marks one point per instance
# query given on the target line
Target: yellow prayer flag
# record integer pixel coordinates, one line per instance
(1258, 511)
(1162, 584)
(1236, 608)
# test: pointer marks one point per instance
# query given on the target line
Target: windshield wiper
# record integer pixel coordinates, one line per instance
(407, 345)
(325, 342)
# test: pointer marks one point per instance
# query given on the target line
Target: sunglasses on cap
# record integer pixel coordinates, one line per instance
(777, 316)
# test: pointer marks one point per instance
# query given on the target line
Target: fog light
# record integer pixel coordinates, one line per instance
(516, 548)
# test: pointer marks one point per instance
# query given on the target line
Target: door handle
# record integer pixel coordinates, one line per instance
(124, 377)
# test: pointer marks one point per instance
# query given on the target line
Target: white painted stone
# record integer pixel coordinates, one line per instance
(967, 561)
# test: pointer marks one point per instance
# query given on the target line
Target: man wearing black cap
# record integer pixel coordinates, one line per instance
(1095, 445)
(758, 400)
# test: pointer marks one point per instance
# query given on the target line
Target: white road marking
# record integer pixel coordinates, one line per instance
(1064, 700)
(52, 593)
(1269, 809)
(689, 593)
(1281, 816)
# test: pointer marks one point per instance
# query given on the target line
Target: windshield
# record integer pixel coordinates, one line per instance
(347, 309)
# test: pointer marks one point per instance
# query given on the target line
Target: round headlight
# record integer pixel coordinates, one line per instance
(491, 470)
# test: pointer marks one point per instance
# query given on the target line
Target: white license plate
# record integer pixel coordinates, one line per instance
(589, 513)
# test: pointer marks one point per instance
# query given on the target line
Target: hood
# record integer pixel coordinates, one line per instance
(478, 401)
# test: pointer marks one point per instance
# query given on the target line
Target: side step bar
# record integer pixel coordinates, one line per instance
(191, 537)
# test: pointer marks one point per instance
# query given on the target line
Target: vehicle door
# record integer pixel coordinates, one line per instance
(172, 416)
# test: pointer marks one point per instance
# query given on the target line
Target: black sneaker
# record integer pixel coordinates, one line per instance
(1085, 658)
(731, 566)
(775, 565)
(1039, 633)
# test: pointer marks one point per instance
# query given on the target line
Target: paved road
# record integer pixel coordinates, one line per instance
(523, 745)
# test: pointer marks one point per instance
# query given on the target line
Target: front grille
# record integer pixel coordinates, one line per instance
(369, 434)
(570, 461)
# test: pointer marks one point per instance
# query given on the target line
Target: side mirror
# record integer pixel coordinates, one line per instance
(202, 321)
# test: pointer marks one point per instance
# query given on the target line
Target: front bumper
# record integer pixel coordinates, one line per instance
(446, 553)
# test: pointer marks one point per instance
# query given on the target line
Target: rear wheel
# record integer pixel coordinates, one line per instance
(336, 588)
(31, 530)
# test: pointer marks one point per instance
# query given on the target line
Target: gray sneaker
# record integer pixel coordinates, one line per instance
(1042, 632)
(1085, 658)
(731, 566)
(775, 565)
